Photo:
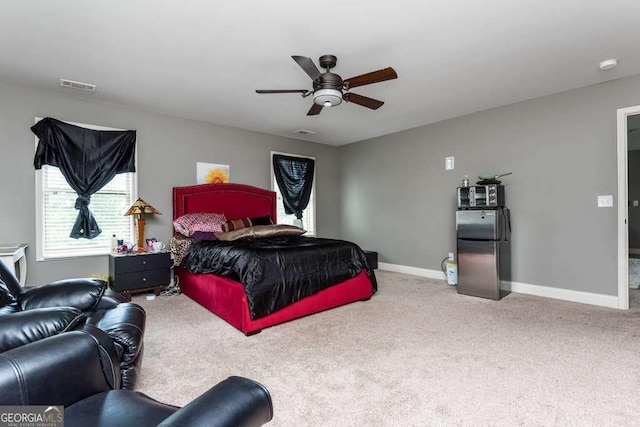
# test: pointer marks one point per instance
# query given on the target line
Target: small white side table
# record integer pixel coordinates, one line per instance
(10, 253)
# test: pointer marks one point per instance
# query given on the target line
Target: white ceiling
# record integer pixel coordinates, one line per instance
(204, 59)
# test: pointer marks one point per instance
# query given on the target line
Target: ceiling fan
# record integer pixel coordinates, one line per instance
(330, 89)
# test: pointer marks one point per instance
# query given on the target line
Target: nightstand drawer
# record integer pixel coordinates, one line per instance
(141, 262)
(141, 279)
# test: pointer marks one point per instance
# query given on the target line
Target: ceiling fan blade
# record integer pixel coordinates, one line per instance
(372, 77)
(282, 91)
(315, 110)
(308, 66)
(374, 104)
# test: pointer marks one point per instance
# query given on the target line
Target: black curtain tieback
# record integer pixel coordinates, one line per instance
(82, 202)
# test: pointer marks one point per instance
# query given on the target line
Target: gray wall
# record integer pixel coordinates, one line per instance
(633, 160)
(398, 199)
(168, 149)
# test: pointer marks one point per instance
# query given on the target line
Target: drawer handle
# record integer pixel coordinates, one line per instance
(144, 279)
(144, 262)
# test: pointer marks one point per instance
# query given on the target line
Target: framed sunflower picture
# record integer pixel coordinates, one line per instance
(211, 173)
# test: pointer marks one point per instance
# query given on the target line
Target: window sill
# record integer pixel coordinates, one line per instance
(72, 255)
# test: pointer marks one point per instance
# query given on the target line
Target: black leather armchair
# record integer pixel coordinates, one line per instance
(35, 313)
(75, 370)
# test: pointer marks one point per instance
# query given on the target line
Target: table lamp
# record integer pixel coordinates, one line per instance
(139, 209)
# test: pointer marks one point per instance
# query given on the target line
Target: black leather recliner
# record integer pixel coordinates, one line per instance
(75, 370)
(34, 313)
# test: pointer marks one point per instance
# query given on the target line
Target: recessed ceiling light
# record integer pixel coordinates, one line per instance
(608, 64)
(305, 132)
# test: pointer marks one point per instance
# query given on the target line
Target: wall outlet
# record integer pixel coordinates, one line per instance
(448, 163)
(450, 256)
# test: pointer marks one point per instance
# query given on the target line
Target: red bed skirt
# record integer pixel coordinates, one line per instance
(228, 300)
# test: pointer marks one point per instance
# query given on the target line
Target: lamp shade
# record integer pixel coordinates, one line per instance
(140, 207)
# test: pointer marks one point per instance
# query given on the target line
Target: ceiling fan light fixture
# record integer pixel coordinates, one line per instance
(327, 97)
(328, 87)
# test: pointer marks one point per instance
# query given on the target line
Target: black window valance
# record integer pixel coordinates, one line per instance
(294, 176)
(88, 159)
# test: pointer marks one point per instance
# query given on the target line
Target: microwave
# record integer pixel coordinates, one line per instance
(481, 196)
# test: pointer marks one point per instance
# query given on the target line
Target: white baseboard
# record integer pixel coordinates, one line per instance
(517, 287)
(565, 294)
(414, 271)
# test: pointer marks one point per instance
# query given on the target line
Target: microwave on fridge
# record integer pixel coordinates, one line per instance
(481, 196)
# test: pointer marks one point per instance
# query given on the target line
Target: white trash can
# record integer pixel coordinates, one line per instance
(452, 273)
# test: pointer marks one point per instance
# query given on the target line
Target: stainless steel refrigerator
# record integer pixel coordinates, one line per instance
(484, 255)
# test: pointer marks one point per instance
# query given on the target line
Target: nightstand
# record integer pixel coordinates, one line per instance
(372, 256)
(139, 272)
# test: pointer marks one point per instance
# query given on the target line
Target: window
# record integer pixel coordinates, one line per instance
(309, 214)
(56, 214)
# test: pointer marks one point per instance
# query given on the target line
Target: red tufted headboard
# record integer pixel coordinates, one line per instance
(233, 200)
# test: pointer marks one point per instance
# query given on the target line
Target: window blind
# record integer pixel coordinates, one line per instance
(59, 214)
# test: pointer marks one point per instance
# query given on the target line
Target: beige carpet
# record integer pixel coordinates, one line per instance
(416, 354)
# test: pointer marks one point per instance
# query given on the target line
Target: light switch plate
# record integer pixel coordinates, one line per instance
(448, 163)
(605, 201)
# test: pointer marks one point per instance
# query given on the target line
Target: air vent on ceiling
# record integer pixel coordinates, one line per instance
(77, 85)
(305, 132)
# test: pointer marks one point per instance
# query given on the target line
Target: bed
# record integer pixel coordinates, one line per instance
(226, 297)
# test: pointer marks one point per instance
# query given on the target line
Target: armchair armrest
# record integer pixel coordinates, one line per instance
(24, 327)
(235, 401)
(83, 294)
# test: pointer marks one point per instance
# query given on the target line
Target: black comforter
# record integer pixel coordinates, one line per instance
(278, 271)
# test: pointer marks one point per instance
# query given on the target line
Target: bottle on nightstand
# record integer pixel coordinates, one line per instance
(114, 244)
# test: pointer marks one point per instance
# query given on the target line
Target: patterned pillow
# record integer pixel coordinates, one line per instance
(189, 223)
(178, 246)
(236, 224)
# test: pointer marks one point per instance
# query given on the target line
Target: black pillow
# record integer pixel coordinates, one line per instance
(261, 220)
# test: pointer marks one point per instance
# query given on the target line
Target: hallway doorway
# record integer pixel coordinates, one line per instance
(628, 145)
(633, 207)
